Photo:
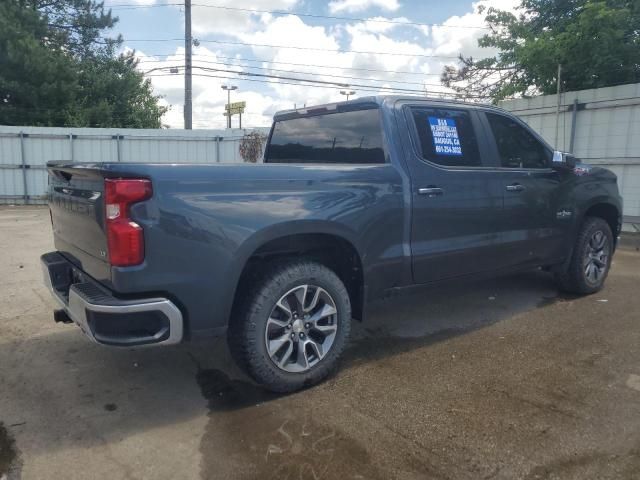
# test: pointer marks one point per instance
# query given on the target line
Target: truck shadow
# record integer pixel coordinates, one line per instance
(264, 435)
(73, 394)
(436, 313)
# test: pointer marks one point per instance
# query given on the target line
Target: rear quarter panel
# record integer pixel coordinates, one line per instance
(205, 221)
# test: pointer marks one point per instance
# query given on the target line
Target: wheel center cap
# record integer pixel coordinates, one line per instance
(298, 326)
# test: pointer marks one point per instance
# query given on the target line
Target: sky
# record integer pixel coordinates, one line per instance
(374, 46)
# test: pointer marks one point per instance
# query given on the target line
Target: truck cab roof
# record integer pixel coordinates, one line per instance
(370, 102)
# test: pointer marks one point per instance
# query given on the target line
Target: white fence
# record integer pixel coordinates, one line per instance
(24, 152)
(600, 126)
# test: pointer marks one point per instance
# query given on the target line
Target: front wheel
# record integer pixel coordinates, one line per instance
(591, 258)
(292, 325)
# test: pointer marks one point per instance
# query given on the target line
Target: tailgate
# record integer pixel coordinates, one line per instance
(77, 215)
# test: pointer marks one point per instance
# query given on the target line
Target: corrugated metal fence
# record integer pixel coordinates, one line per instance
(600, 126)
(24, 152)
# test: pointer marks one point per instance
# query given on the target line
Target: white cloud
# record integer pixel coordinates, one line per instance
(171, 87)
(409, 53)
(136, 2)
(454, 41)
(387, 25)
(290, 30)
(416, 63)
(281, 31)
(209, 106)
(337, 6)
(463, 39)
(234, 22)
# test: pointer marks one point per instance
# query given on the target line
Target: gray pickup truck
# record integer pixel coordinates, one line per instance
(354, 201)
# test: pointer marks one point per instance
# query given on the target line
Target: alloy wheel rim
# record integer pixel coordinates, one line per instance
(596, 260)
(301, 328)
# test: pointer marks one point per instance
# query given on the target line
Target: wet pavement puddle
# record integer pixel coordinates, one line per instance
(254, 434)
(8, 453)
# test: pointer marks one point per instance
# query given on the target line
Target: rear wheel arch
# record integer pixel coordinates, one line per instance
(333, 251)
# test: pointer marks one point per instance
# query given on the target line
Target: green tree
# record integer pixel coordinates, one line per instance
(78, 25)
(112, 92)
(597, 42)
(58, 68)
(37, 84)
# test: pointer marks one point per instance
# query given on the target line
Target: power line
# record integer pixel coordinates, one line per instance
(132, 6)
(294, 47)
(333, 67)
(324, 82)
(225, 77)
(405, 72)
(309, 73)
(370, 89)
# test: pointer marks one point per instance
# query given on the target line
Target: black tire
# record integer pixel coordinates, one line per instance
(575, 279)
(254, 308)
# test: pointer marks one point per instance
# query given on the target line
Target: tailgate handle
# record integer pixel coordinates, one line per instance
(516, 187)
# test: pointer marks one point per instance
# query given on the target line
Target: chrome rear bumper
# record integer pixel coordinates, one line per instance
(106, 319)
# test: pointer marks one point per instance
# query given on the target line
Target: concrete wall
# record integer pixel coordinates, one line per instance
(600, 126)
(24, 152)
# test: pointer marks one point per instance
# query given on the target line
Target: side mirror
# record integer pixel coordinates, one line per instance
(563, 161)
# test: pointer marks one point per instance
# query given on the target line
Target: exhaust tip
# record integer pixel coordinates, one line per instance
(60, 316)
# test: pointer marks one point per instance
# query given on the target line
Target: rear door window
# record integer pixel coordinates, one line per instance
(341, 137)
(447, 137)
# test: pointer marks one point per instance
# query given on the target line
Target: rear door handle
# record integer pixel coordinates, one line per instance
(431, 191)
(516, 187)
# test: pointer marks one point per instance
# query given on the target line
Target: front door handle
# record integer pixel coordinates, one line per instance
(431, 191)
(516, 187)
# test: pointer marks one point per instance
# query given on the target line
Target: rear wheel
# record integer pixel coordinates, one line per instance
(590, 260)
(292, 325)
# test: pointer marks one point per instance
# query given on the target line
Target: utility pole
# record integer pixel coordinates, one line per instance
(188, 42)
(558, 105)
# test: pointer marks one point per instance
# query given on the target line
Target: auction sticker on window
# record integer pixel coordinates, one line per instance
(445, 136)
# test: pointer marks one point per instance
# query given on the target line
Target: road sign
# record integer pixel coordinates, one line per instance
(234, 111)
(236, 107)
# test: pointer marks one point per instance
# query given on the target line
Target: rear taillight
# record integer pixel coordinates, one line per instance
(125, 237)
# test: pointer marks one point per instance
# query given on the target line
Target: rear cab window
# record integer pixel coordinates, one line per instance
(446, 137)
(343, 137)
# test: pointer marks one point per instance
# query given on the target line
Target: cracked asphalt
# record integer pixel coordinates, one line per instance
(499, 379)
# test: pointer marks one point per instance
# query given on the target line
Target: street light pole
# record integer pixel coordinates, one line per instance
(228, 88)
(228, 108)
(347, 93)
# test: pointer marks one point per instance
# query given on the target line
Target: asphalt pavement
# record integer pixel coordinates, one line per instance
(499, 379)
